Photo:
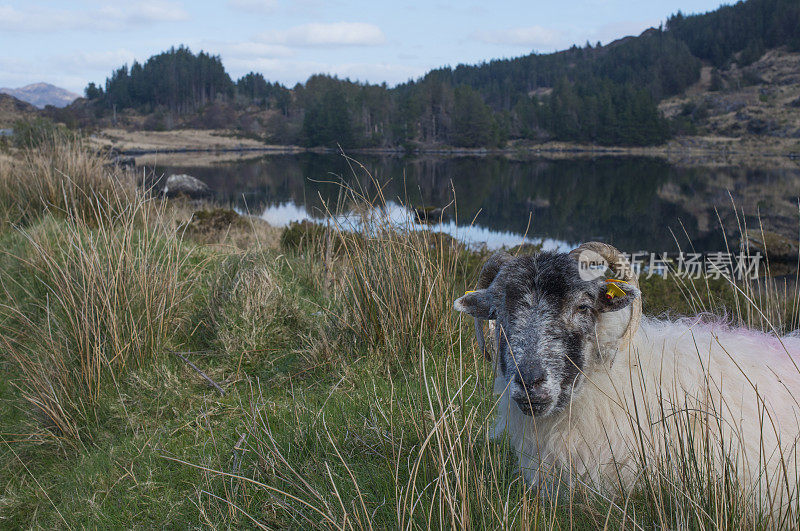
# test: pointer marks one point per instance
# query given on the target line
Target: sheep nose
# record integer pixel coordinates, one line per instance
(532, 382)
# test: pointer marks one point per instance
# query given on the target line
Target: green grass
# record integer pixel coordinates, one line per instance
(354, 396)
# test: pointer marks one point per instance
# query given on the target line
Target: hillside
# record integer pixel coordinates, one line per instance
(42, 94)
(760, 99)
(12, 109)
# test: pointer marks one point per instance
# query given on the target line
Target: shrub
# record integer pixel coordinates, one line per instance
(39, 132)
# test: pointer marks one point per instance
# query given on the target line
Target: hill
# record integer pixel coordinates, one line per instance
(42, 94)
(761, 99)
(609, 95)
(12, 109)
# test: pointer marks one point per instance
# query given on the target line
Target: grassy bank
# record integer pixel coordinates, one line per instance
(163, 365)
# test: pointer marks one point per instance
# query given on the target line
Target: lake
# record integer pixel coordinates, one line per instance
(634, 203)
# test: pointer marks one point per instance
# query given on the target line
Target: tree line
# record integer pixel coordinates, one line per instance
(599, 94)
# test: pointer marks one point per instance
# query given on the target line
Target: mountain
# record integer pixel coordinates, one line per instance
(42, 94)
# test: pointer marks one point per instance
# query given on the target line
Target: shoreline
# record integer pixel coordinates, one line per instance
(683, 151)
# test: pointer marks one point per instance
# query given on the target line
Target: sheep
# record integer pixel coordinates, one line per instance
(591, 392)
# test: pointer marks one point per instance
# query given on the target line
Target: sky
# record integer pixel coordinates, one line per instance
(70, 43)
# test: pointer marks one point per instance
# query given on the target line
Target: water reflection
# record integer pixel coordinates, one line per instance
(475, 236)
(633, 203)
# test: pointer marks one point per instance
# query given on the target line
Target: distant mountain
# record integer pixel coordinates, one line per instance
(42, 94)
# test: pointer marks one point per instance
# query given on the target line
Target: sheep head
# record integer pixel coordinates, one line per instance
(555, 323)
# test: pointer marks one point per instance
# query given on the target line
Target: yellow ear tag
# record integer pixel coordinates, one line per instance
(467, 293)
(613, 290)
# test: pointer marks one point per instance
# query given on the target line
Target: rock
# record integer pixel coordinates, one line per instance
(182, 184)
(775, 246)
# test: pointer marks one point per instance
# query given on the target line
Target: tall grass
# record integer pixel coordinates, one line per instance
(769, 303)
(62, 176)
(102, 288)
(397, 282)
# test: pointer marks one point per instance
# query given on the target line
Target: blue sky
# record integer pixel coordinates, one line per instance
(71, 43)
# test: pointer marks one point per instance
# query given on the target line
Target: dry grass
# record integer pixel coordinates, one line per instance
(770, 303)
(64, 178)
(250, 309)
(180, 139)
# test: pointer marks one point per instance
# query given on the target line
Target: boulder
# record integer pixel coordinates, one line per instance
(182, 184)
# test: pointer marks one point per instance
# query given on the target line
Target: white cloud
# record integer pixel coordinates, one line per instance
(538, 37)
(330, 34)
(10, 17)
(254, 6)
(115, 17)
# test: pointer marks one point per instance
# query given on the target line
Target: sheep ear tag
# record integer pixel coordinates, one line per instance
(613, 290)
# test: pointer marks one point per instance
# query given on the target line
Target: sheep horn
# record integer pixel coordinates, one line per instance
(622, 270)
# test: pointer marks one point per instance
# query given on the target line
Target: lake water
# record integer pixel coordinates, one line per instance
(637, 204)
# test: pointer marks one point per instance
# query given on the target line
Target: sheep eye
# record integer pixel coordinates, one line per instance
(584, 308)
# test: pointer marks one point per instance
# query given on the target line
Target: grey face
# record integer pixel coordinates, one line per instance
(546, 318)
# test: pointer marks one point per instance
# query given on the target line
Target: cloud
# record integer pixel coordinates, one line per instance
(253, 6)
(113, 17)
(330, 34)
(538, 37)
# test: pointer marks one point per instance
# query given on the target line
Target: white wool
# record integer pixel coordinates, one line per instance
(743, 385)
